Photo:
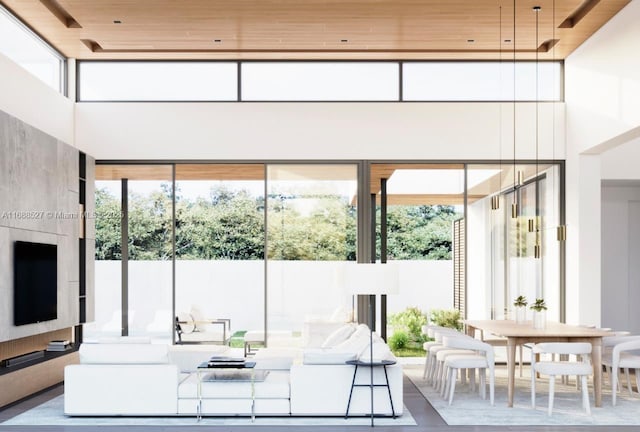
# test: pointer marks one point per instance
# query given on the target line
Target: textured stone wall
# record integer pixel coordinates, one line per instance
(38, 203)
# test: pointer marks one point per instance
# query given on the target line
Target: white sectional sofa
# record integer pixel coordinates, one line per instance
(157, 380)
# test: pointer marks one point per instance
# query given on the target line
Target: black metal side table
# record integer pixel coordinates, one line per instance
(383, 364)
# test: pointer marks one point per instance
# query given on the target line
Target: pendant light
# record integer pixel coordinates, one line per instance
(495, 199)
(517, 175)
(537, 252)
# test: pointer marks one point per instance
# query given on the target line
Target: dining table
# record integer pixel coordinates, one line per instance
(524, 333)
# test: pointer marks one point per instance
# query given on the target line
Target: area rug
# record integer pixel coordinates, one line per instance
(469, 409)
(50, 413)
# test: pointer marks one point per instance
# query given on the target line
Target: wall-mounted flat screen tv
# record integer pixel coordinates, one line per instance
(35, 283)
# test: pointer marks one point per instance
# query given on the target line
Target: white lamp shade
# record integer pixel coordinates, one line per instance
(370, 278)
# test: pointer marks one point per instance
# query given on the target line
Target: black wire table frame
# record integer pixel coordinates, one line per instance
(383, 364)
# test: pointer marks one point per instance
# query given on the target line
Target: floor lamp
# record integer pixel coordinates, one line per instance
(371, 279)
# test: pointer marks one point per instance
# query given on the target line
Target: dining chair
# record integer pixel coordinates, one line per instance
(553, 368)
(483, 359)
(436, 333)
(621, 357)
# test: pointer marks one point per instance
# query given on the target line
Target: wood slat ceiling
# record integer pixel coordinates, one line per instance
(312, 29)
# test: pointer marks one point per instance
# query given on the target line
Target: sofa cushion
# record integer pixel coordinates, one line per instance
(328, 356)
(338, 336)
(381, 351)
(123, 354)
(356, 342)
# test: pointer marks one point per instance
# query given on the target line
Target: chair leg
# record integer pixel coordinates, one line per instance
(626, 372)
(585, 395)
(452, 373)
(533, 389)
(552, 382)
(492, 385)
(444, 382)
(426, 365)
(483, 383)
(614, 387)
(521, 359)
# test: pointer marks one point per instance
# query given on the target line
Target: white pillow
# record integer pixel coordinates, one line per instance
(355, 343)
(381, 352)
(361, 329)
(338, 336)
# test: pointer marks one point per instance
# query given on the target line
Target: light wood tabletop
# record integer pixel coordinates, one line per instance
(519, 334)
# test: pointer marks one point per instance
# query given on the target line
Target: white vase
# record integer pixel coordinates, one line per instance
(539, 319)
(521, 314)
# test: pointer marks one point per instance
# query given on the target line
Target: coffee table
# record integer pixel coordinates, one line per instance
(231, 365)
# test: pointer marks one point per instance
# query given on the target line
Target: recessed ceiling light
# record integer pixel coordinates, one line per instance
(344, 40)
(217, 40)
(471, 40)
(117, 22)
(507, 40)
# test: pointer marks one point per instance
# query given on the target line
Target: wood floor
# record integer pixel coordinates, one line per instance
(426, 417)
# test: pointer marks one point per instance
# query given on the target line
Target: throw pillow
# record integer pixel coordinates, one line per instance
(381, 352)
(338, 336)
(356, 343)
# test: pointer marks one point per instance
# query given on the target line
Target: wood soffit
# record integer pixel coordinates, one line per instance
(313, 29)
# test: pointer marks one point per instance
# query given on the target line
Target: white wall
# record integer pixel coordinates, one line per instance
(621, 162)
(459, 131)
(602, 94)
(620, 270)
(24, 96)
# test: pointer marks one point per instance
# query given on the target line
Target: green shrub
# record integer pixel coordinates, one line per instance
(446, 318)
(399, 340)
(410, 321)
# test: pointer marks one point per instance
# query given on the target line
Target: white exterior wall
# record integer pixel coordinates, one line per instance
(24, 96)
(272, 131)
(602, 94)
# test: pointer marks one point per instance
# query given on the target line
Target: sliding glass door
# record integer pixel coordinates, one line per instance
(311, 230)
(219, 251)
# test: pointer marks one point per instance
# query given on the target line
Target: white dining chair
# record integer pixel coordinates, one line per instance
(621, 357)
(437, 334)
(483, 360)
(553, 368)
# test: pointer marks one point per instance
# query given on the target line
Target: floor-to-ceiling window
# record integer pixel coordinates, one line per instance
(259, 246)
(513, 247)
(134, 207)
(219, 250)
(311, 230)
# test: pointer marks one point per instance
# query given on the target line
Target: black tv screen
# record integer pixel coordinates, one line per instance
(35, 283)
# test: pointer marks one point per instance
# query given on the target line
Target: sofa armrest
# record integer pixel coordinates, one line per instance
(93, 389)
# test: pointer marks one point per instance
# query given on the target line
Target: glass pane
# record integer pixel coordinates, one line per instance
(480, 81)
(23, 47)
(158, 81)
(320, 81)
(108, 265)
(220, 252)
(424, 202)
(311, 230)
(501, 249)
(150, 256)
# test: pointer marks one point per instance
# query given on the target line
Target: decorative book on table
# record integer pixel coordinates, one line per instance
(59, 345)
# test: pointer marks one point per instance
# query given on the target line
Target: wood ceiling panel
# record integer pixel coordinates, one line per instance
(220, 172)
(134, 172)
(312, 29)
